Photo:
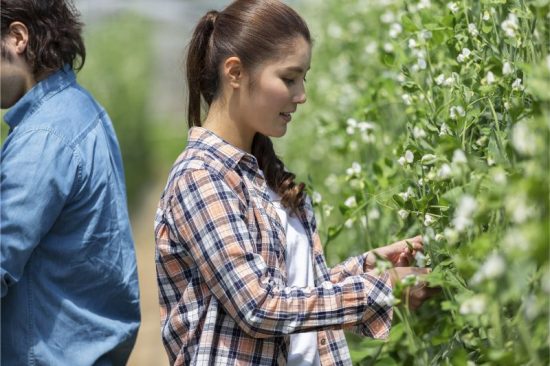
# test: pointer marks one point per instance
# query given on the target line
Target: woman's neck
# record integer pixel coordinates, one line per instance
(220, 121)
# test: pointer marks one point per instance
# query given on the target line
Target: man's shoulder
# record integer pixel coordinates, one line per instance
(70, 114)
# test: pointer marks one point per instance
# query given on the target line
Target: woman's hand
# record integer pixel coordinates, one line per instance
(400, 254)
(415, 294)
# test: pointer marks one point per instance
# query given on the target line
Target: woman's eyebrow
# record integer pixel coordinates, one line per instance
(297, 69)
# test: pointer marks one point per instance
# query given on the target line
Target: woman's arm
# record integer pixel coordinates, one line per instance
(209, 219)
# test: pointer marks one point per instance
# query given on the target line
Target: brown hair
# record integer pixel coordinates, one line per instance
(254, 31)
(54, 33)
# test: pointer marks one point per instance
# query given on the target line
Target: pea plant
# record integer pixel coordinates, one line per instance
(431, 117)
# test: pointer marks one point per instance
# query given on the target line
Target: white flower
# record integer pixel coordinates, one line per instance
(456, 111)
(459, 157)
(463, 214)
(407, 194)
(351, 202)
(366, 126)
(401, 161)
(371, 47)
(354, 170)
(335, 31)
(374, 214)
(453, 7)
(351, 122)
(407, 99)
(440, 79)
(328, 209)
(316, 197)
(516, 85)
(422, 64)
(516, 241)
(351, 125)
(464, 55)
(424, 4)
(499, 177)
(510, 26)
(349, 223)
(439, 237)
(412, 43)
(451, 235)
(395, 30)
(531, 307)
(418, 132)
(428, 220)
(518, 208)
(507, 68)
(472, 29)
(493, 267)
(475, 305)
(389, 300)
(486, 15)
(403, 214)
(401, 78)
(490, 77)
(524, 139)
(388, 17)
(425, 34)
(388, 47)
(428, 159)
(444, 130)
(420, 259)
(409, 156)
(444, 172)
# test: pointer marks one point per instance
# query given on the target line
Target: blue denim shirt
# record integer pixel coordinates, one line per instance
(68, 270)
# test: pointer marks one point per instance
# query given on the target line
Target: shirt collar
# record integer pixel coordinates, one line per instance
(229, 154)
(44, 89)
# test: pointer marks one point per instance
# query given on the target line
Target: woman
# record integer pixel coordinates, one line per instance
(240, 266)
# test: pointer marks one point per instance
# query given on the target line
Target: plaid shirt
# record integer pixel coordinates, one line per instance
(220, 254)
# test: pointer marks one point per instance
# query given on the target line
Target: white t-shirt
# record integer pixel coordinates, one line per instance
(303, 346)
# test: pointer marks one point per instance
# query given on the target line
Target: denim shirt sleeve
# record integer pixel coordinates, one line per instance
(38, 173)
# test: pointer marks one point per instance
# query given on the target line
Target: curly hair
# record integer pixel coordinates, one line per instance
(54, 27)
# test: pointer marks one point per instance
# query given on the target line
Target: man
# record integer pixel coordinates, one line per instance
(67, 267)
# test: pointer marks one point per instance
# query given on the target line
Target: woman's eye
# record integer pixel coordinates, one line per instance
(288, 81)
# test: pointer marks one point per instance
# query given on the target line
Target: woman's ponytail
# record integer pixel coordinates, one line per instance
(202, 76)
(278, 179)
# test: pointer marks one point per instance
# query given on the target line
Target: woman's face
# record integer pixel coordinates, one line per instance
(276, 90)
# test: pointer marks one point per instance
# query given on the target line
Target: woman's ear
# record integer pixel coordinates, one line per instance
(233, 72)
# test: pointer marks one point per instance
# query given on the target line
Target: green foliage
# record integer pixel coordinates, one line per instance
(118, 73)
(433, 117)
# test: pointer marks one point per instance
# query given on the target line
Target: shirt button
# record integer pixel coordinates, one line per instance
(323, 341)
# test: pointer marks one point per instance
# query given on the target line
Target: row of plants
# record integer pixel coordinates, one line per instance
(432, 117)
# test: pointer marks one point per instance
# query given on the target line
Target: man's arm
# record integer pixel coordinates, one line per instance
(37, 174)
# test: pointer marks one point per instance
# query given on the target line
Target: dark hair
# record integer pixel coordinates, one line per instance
(54, 32)
(254, 31)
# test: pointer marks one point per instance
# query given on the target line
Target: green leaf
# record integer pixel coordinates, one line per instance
(408, 24)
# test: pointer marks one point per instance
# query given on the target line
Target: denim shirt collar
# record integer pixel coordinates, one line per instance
(43, 90)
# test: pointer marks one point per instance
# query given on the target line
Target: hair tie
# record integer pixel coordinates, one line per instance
(211, 16)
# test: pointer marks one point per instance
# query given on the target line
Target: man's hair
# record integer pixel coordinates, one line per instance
(54, 33)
